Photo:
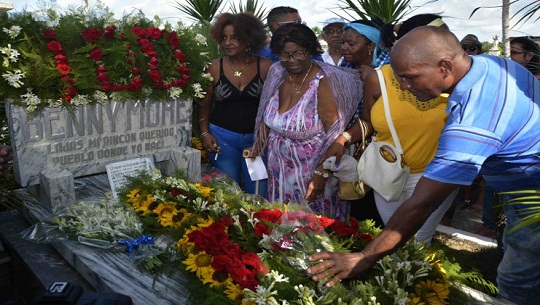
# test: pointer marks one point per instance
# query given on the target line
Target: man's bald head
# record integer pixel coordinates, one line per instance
(429, 53)
(426, 45)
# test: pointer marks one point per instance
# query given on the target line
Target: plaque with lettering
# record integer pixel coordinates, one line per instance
(118, 172)
(85, 140)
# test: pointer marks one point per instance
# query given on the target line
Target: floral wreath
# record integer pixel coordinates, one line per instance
(99, 60)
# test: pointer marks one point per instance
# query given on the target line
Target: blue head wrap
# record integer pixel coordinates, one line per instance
(371, 33)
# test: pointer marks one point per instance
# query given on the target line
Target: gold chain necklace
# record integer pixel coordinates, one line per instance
(237, 73)
(298, 89)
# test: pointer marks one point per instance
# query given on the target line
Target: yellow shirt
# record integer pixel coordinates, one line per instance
(418, 130)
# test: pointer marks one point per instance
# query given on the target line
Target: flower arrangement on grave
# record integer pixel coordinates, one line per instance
(80, 57)
(239, 249)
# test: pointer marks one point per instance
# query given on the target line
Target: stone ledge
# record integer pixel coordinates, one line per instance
(479, 239)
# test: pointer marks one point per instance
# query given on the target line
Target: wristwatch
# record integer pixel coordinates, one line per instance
(348, 137)
(323, 174)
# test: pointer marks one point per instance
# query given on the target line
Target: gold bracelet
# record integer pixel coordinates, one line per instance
(204, 134)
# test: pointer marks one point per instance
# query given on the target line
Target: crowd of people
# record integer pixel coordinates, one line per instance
(459, 115)
(456, 121)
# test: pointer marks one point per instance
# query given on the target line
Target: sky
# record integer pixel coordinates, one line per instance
(486, 22)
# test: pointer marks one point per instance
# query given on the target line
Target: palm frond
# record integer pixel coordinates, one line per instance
(252, 6)
(529, 11)
(387, 10)
(200, 10)
(531, 213)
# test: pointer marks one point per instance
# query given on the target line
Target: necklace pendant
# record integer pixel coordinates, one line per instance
(297, 91)
(238, 73)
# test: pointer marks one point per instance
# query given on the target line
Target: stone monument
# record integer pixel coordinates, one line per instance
(58, 147)
(495, 48)
(54, 147)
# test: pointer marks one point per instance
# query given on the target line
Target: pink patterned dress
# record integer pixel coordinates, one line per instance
(295, 139)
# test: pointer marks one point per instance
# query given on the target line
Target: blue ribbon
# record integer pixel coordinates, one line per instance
(131, 245)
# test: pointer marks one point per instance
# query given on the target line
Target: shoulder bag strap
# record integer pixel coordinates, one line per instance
(387, 111)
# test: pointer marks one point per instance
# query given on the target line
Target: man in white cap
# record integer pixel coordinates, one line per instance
(332, 31)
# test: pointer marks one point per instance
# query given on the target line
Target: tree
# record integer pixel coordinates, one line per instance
(202, 11)
(386, 10)
(251, 6)
(528, 11)
(318, 31)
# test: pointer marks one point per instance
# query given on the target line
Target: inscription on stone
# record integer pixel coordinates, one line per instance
(118, 172)
(85, 140)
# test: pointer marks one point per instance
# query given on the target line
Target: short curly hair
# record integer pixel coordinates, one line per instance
(247, 28)
(300, 34)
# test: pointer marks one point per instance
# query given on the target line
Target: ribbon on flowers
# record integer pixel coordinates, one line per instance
(133, 244)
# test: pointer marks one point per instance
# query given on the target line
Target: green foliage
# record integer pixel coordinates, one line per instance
(387, 10)
(168, 62)
(528, 11)
(530, 213)
(202, 11)
(252, 6)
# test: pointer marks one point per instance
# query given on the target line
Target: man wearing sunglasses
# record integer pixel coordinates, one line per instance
(471, 44)
(277, 17)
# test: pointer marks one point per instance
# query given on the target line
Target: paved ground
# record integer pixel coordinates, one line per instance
(465, 223)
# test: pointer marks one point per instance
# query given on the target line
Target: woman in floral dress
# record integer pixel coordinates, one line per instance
(304, 105)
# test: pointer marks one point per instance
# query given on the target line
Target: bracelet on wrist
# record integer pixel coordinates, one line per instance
(347, 137)
(324, 174)
(204, 134)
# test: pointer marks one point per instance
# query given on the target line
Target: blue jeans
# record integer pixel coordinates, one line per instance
(518, 274)
(489, 216)
(231, 162)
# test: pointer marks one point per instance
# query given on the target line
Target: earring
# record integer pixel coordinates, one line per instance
(369, 53)
(248, 50)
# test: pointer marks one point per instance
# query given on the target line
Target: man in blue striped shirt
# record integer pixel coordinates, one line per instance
(493, 129)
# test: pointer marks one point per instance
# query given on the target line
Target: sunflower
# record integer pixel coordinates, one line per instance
(205, 191)
(184, 245)
(234, 292)
(147, 205)
(221, 279)
(200, 264)
(429, 293)
(133, 195)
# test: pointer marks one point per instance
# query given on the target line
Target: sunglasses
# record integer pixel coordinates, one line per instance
(298, 21)
(469, 48)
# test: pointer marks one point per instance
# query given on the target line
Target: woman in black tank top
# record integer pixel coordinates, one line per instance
(227, 113)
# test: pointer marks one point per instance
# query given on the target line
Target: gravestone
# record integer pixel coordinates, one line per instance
(56, 146)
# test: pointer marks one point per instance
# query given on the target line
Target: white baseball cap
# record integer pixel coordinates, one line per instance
(333, 20)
